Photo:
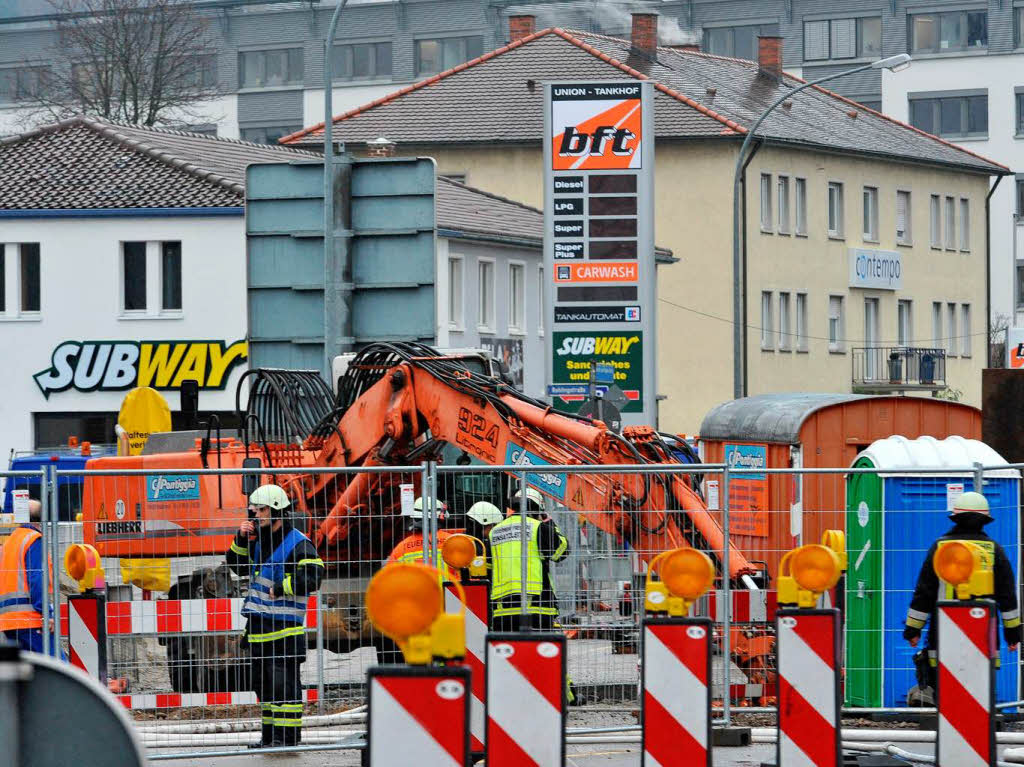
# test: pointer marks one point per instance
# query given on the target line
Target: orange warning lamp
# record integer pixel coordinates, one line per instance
(684, 575)
(462, 552)
(964, 566)
(82, 563)
(806, 572)
(836, 540)
(405, 602)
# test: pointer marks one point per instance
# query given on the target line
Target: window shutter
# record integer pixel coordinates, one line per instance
(844, 38)
(901, 214)
(815, 40)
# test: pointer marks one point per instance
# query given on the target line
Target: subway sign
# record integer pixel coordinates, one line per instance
(120, 365)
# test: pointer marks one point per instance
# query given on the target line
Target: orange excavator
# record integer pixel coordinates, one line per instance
(397, 404)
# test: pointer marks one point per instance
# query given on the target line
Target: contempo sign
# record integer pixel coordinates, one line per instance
(881, 269)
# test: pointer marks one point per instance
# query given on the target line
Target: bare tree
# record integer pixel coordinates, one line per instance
(997, 340)
(136, 61)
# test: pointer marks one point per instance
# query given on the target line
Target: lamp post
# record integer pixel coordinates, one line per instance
(894, 63)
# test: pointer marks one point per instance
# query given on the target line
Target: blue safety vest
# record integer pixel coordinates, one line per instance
(284, 609)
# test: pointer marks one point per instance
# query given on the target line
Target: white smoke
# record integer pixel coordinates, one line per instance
(614, 18)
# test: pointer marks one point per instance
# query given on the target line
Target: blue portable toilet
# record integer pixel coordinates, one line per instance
(892, 520)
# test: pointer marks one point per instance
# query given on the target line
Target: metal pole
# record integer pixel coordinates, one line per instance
(435, 552)
(424, 495)
(726, 603)
(737, 286)
(524, 555)
(57, 559)
(44, 563)
(337, 276)
(979, 478)
(320, 653)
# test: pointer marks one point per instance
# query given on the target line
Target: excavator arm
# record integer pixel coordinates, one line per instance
(400, 396)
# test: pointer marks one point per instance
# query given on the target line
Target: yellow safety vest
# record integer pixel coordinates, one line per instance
(506, 556)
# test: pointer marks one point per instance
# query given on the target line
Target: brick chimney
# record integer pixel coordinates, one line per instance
(769, 56)
(380, 147)
(644, 36)
(521, 26)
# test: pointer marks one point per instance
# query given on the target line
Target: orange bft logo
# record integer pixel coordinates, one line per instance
(596, 134)
(1017, 357)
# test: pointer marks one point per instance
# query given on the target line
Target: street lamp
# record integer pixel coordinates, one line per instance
(892, 63)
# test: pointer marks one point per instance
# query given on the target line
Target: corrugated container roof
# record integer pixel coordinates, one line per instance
(768, 417)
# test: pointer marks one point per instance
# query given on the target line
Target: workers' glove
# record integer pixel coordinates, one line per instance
(1013, 635)
(910, 633)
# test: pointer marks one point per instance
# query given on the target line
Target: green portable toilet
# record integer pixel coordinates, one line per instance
(891, 520)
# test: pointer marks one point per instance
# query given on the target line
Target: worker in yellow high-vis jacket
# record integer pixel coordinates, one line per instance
(284, 568)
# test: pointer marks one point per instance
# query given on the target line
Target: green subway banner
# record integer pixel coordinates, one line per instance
(574, 352)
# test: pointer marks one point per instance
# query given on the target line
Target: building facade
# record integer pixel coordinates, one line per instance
(813, 322)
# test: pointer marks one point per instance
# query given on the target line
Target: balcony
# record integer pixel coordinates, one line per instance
(879, 369)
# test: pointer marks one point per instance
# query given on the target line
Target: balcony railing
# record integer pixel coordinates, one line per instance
(895, 368)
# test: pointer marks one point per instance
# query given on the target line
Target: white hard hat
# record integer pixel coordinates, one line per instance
(270, 495)
(971, 502)
(417, 509)
(532, 496)
(485, 513)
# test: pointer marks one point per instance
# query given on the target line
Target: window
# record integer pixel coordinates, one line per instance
(1018, 19)
(835, 209)
(843, 38)
(362, 61)
(783, 187)
(485, 292)
(766, 202)
(950, 214)
(871, 213)
(542, 309)
(785, 330)
(965, 330)
(952, 31)
(801, 322)
(21, 83)
(141, 259)
(951, 336)
(516, 298)
(836, 324)
(801, 206)
(134, 277)
(872, 325)
(437, 55)
(904, 323)
(1019, 99)
(455, 289)
(204, 70)
(269, 134)
(30, 277)
(170, 276)
(937, 325)
(3, 278)
(267, 69)
(20, 270)
(935, 210)
(1020, 197)
(903, 234)
(951, 116)
(965, 224)
(767, 322)
(737, 42)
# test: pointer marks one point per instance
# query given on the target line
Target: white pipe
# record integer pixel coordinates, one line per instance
(317, 737)
(203, 726)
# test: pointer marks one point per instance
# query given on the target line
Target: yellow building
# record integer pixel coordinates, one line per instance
(866, 240)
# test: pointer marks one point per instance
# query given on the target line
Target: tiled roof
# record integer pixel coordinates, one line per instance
(85, 163)
(498, 98)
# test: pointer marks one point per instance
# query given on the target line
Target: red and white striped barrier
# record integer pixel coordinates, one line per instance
(418, 715)
(196, 699)
(525, 700)
(87, 637)
(966, 692)
(747, 606)
(477, 619)
(807, 644)
(676, 702)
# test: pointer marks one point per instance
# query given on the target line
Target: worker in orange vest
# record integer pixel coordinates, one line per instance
(22, 579)
(410, 548)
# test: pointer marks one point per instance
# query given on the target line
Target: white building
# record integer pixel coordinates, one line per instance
(975, 99)
(123, 264)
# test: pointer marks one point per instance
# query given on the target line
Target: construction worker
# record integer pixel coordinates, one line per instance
(22, 579)
(545, 544)
(284, 569)
(480, 520)
(970, 514)
(410, 548)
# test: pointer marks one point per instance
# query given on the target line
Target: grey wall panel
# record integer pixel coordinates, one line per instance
(269, 106)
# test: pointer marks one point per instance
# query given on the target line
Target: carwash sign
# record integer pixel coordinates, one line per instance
(880, 269)
(599, 241)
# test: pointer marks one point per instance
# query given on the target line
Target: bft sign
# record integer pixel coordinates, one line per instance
(1015, 348)
(599, 242)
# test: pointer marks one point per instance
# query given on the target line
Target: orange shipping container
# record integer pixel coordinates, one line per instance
(772, 513)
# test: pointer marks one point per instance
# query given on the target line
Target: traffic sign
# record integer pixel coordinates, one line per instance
(602, 373)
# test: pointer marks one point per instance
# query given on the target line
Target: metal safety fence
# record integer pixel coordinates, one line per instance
(178, 655)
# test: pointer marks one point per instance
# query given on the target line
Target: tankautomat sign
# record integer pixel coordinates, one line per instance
(599, 241)
(118, 365)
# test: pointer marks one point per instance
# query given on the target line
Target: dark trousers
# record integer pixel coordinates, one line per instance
(276, 682)
(512, 623)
